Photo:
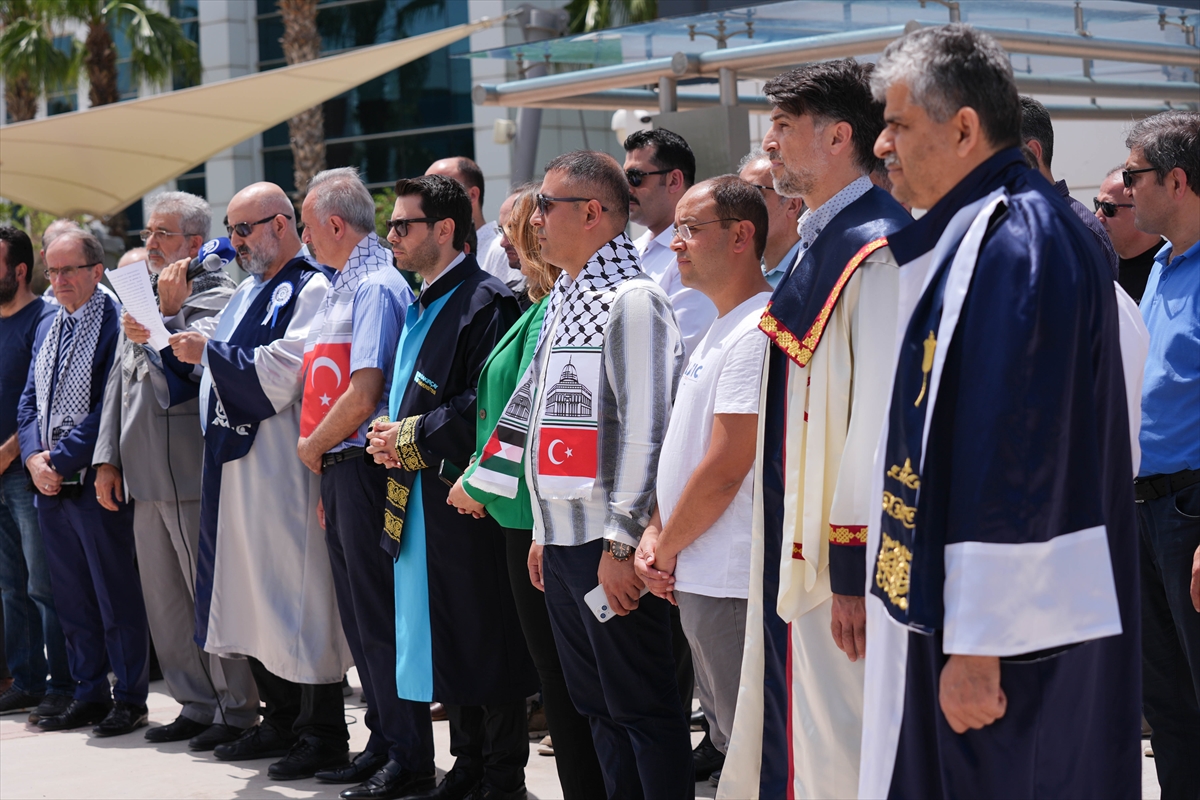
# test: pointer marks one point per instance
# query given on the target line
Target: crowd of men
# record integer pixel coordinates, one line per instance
(913, 504)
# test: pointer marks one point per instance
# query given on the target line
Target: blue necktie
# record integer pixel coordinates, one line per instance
(66, 337)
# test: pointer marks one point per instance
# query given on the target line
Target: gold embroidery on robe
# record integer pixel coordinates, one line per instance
(895, 508)
(392, 525)
(407, 452)
(926, 365)
(798, 551)
(905, 475)
(847, 534)
(892, 571)
(397, 493)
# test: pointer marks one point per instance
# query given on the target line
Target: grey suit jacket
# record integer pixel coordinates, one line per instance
(137, 434)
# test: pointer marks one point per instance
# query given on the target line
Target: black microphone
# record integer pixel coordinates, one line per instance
(214, 255)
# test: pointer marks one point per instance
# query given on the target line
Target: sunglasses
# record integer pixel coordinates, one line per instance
(636, 176)
(244, 229)
(400, 226)
(762, 188)
(544, 202)
(1109, 208)
(1127, 175)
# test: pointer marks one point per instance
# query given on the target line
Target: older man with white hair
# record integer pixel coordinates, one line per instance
(1002, 572)
(154, 456)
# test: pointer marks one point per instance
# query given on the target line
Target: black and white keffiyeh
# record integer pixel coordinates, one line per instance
(585, 301)
(64, 369)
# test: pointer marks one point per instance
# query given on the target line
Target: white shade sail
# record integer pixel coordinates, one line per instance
(100, 160)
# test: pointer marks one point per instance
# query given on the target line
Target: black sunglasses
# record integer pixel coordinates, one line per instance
(636, 176)
(244, 229)
(400, 226)
(1109, 208)
(760, 187)
(544, 202)
(1127, 175)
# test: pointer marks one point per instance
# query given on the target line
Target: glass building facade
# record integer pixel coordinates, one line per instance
(397, 124)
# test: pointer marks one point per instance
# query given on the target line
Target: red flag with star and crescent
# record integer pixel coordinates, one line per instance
(326, 378)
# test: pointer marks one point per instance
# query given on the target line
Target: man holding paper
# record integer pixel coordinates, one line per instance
(89, 549)
(153, 454)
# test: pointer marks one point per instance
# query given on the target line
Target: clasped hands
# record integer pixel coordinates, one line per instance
(381, 443)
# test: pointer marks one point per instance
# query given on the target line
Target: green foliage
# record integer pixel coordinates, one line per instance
(595, 15)
(157, 42)
(28, 48)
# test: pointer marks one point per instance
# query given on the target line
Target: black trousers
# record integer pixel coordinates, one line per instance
(1170, 533)
(300, 709)
(622, 676)
(490, 742)
(574, 752)
(353, 493)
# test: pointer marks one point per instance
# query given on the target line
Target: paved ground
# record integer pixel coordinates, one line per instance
(74, 764)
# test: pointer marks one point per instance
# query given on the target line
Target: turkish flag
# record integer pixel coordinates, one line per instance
(569, 452)
(326, 378)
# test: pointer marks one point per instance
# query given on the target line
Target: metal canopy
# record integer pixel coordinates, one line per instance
(1105, 49)
(100, 160)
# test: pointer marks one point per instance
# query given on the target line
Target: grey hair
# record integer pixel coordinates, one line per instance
(93, 251)
(341, 192)
(195, 215)
(1169, 140)
(952, 67)
(56, 229)
(755, 154)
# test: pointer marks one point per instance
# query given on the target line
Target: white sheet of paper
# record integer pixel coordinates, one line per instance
(132, 283)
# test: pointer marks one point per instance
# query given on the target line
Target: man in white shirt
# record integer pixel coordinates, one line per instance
(783, 213)
(660, 167)
(696, 550)
(489, 254)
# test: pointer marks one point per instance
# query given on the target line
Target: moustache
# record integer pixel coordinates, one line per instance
(155, 253)
(890, 160)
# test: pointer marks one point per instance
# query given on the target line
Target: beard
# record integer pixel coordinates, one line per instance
(259, 259)
(8, 286)
(423, 258)
(790, 182)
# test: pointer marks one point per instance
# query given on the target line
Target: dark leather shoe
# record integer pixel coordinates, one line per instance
(306, 757)
(182, 728)
(360, 768)
(261, 741)
(455, 786)
(706, 759)
(485, 791)
(124, 718)
(390, 782)
(51, 706)
(214, 735)
(15, 701)
(78, 714)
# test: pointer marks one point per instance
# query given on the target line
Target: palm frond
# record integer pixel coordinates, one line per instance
(158, 46)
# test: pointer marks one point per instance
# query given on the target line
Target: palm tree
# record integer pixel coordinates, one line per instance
(30, 61)
(594, 15)
(302, 42)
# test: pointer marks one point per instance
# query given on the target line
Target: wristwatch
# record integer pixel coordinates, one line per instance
(618, 550)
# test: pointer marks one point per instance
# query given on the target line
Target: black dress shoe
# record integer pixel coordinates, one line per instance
(390, 782)
(182, 728)
(306, 757)
(455, 786)
(15, 701)
(124, 718)
(360, 768)
(261, 741)
(706, 759)
(51, 706)
(485, 791)
(214, 735)
(78, 714)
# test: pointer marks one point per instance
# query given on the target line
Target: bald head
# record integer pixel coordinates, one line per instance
(469, 176)
(264, 214)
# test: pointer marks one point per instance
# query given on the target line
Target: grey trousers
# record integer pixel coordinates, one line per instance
(211, 689)
(716, 629)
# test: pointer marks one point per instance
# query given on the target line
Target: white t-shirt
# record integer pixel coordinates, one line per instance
(723, 376)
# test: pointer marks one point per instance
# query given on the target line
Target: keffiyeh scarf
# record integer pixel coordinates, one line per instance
(63, 371)
(564, 393)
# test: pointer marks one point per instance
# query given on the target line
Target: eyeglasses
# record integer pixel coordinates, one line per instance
(66, 273)
(1109, 208)
(684, 232)
(544, 202)
(636, 176)
(762, 188)
(244, 229)
(400, 226)
(159, 232)
(1127, 175)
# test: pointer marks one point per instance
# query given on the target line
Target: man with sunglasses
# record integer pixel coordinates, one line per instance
(89, 548)
(1037, 134)
(660, 167)
(264, 586)
(1163, 175)
(1136, 248)
(783, 238)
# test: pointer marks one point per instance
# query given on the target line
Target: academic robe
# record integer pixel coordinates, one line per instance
(1008, 523)
(264, 586)
(458, 639)
(832, 321)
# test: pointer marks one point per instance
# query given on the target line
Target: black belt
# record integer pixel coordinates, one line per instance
(1153, 487)
(329, 459)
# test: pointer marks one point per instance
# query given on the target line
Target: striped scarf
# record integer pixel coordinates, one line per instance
(63, 371)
